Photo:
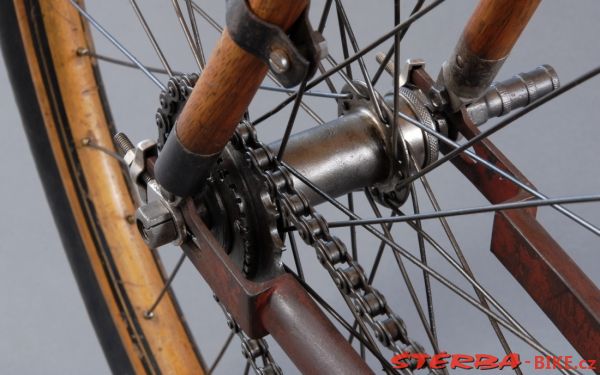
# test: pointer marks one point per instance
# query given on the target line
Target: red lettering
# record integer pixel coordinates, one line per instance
(589, 364)
(512, 360)
(557, 363)
(568, 362)
(399, 360)
(486, 362)
(460, 361)
(421, 359)
(438, 360)
(539, 362)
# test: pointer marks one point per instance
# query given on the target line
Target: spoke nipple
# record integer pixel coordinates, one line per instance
(148, 315)
(82, 51)
(279, 61)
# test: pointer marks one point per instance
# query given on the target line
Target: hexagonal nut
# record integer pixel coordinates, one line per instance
(155, 223)
(437, 95)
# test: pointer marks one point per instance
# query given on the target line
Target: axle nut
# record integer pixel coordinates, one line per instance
(155, 223)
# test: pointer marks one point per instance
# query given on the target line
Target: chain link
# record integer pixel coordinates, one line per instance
(367, 304)
(253, 349)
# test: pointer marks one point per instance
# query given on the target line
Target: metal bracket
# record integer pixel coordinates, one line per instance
(407, 68)
(136, 164)
(292, 56)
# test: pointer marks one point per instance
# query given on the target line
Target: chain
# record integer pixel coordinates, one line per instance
(253, 349)
(172, 100)
(367, 304)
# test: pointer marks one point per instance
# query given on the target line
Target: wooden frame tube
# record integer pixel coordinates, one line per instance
(217, 103)
(486, 42)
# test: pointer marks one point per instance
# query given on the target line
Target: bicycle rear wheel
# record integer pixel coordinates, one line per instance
(65, 113)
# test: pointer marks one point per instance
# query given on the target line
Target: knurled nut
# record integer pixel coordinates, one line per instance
(553, 76)
(531, 87)
(425, 118)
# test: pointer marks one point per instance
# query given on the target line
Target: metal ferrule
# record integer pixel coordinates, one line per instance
(180, 171)
(516, 92)
(467, 76)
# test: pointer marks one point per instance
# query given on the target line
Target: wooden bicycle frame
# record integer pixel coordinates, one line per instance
(230, 81)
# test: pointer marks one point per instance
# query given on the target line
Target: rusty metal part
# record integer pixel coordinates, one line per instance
(290, 319)
(529, 253)
(279, 306)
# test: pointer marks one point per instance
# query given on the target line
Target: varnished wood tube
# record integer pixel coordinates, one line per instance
(217, 103)
(228, 84)
(496, 25)
(487, 40)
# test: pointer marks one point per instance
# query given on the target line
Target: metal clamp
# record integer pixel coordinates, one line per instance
(158, 217)
(292, 56)
(135, 158)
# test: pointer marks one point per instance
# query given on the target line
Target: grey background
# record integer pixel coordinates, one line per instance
(43, 324)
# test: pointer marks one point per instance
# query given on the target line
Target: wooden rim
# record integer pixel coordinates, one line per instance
(70, 99)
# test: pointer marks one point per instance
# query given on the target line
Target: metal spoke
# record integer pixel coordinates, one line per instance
(88, 142)
(396, 83)
(117, 44)
(324, 15)
(423, 255)
(218, 27)
(411, 290)
(469, 211)
(296, 255)
(188, 35)
(151, 37)
(292, 119)
(361, 63)
(478, 288)
(352, 229)
(328, 81)
(221, 352)
(409, 21)
(388, 56)
(112, 60)
(342, 28)
(512, 326)
(463, 261)
(374, 267)
(322, 94)
(352, 330)
(197, 39)
(149, 314)
(343, 75)
(504, 174)
(507, 121)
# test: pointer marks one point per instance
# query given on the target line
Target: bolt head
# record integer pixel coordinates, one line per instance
(156, 225)
(279, 61)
